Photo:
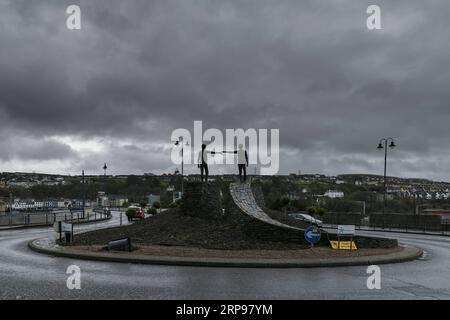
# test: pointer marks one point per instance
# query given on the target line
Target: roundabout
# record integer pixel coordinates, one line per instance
(26, 274)
(245, 234)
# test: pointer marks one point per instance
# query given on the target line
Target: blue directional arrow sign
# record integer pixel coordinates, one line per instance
(312, 234)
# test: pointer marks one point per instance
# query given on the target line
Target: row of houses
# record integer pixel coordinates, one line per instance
(423, 195)
(332, 194)
(117, 201)
(49, 204)
(31, 181)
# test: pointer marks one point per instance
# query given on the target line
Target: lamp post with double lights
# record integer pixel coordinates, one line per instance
(383, 144)
(180, 143)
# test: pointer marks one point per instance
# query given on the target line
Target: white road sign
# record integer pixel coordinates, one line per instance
(346, 230)
(65, 227)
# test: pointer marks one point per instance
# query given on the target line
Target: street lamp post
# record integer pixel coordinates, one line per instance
(105, 167)
(177, 143)
(84, 195)
(383, 144)
(10, 207)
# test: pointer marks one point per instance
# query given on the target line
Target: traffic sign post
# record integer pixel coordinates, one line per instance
(61, 227)
(345, 231)
(312, 235)
(57, 227)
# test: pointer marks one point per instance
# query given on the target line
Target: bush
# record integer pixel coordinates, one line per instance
(131, 212)
(143, 203)
(156, 205)
(316, 211)
(311, 210)
(152, 211)
(175, 204)
(320, 212)
(280, 203)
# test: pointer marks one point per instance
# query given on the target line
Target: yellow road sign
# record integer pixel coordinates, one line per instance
(343, 245)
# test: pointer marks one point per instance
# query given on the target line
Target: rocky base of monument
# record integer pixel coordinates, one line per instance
(175, 228)
(209, 218)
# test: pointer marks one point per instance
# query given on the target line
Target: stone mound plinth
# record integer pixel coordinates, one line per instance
(203, 200)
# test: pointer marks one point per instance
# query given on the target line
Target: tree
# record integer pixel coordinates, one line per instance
(311, 210)
(156, 205)
(143, 203)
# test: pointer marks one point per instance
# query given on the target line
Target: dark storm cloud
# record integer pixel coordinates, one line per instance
(18, 147)
(139, 69)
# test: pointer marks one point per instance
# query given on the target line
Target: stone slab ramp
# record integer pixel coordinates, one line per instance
(243, 197)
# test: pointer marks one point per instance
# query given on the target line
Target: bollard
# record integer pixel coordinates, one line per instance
(68, 237)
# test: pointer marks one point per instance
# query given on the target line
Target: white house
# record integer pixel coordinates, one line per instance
(334, 194)
(117, 201)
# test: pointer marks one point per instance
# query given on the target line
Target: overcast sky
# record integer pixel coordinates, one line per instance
(114, 90)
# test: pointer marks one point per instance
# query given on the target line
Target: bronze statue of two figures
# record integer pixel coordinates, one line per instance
(242, 157)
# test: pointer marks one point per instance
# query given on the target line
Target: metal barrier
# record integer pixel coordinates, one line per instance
(420, 227)
(46, 218)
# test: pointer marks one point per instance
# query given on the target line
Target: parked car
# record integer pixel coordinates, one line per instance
(306, 218)
(135, 213)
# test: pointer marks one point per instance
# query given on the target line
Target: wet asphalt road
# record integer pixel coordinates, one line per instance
(25, 274)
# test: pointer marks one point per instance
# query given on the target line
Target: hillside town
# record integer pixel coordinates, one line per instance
(167, 188)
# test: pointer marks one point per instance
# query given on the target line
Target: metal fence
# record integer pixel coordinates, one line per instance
(48, 217)
(390, 222)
